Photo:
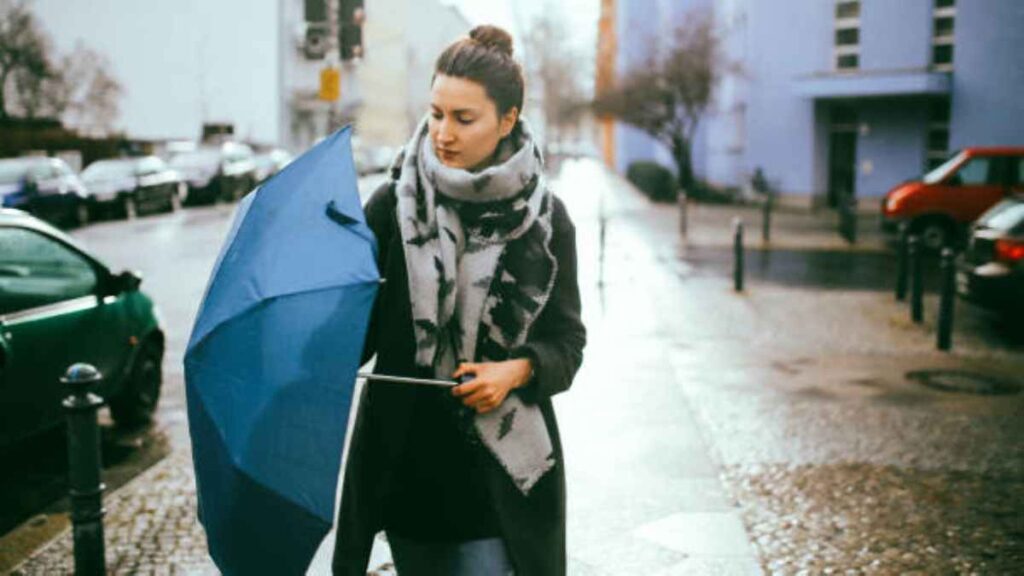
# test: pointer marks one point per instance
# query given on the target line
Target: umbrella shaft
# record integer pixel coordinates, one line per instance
(405, 380)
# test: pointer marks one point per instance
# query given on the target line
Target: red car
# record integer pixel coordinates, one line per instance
(946, 200)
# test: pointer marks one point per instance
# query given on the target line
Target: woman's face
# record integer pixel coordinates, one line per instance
(464, 125)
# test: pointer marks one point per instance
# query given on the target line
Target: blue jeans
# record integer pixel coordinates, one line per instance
(486, 557)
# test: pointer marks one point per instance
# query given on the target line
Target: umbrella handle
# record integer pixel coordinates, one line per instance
(406, 380)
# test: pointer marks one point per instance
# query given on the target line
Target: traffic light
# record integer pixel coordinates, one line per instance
(317, 29)
(350, 29)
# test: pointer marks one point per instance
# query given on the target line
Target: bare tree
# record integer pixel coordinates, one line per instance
(668, 96)
(90, 92)
(24, 50)
(555, 67)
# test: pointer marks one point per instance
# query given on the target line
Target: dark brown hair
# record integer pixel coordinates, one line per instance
(486, 58)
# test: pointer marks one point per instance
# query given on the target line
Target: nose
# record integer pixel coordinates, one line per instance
(445, 133)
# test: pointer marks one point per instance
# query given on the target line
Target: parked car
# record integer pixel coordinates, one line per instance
(59, 305)
(129, 186)
(44, 186)
(224, 172)
(939, 207)
(271, 162)
(991, 269)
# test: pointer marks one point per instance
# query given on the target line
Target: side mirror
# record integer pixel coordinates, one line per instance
(126, 281)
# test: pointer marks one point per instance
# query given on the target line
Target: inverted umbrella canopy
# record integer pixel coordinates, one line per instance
(272, 360)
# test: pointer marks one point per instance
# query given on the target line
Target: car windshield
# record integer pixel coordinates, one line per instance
(12, 171)
(108, 169)
(939, 173)
(197, 159)
(1007, 216)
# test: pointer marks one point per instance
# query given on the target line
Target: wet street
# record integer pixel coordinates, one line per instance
(803, 426)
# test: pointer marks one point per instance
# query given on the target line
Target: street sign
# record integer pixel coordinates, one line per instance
(330, 84)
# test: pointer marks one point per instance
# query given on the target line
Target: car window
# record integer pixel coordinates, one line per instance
(976, 171)
(150, 165)
(36, 270)
(40, 171)
(1007, 216)
(59, 168)
(1016, 166)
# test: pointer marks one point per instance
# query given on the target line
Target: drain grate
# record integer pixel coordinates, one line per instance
(964, 382)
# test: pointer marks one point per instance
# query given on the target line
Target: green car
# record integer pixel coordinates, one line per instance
(59, 306)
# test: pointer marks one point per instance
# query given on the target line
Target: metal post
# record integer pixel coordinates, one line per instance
(947, 300)
(683, 213)
(766, 217)
(737, 275)
(902, 269)
(916, 280)
(602, 222)
(86, 487)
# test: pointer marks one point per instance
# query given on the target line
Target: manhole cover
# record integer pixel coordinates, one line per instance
(964, 382)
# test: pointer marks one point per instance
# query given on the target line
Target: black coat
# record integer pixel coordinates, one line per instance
(533, 527)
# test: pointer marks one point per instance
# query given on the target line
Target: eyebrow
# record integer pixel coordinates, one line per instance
(458, 111)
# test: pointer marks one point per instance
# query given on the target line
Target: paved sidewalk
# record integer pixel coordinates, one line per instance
(685, 389)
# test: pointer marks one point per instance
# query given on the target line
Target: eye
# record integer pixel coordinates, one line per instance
(436, 115)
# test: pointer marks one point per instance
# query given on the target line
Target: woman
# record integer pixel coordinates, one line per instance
(480, 264)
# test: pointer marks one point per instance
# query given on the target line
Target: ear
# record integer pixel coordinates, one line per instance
(508, 121)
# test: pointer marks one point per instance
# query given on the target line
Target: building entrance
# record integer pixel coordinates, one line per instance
(842, 156)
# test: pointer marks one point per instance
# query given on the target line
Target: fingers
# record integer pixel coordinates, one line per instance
(467, 388)
(466, 368)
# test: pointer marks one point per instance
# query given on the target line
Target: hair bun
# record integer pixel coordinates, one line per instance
(492, 38)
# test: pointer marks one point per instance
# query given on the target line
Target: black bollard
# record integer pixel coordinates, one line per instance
(86, 487)
(737, 273)
(947, 300)
(766, 217)
(902, 268)
(683, 216)
(916, 280)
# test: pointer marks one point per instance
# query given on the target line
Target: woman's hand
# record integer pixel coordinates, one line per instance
(491, 383)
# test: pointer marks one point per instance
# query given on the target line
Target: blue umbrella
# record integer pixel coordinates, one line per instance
(271, 364)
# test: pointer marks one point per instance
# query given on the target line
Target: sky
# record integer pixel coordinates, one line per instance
(183, 62)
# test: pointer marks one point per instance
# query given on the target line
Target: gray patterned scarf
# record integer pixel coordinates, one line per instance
(477, 251)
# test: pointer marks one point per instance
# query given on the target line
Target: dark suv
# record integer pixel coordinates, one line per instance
(991, 270)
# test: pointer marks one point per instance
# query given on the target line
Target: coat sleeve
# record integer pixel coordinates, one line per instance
(380, 209)
(556, 340)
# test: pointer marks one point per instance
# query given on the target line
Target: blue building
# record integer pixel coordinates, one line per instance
(837, 97)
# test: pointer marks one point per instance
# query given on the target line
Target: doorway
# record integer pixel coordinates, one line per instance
(842, 155)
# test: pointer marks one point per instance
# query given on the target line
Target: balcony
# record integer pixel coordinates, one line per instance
(873, 84)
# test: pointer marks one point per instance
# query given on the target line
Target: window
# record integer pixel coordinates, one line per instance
(976, 171)
(943, 28)
(847, 37)
(942, 55)
(937, 136)
(847, 10)
(846, 53)
(36, 271)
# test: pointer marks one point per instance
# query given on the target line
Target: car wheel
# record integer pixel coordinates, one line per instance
(129, 207)
(934, 234)
(173, 202)
(81, 216)
(138, 398)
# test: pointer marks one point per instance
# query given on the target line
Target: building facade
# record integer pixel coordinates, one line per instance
(842, 97)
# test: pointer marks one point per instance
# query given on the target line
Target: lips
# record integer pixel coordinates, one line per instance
(446, 154)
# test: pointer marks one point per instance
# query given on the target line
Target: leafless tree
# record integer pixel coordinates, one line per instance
(668, 96)
(24, 52)
(91, 93)
(555, 67)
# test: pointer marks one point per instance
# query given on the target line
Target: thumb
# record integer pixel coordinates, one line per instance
(465, 368)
